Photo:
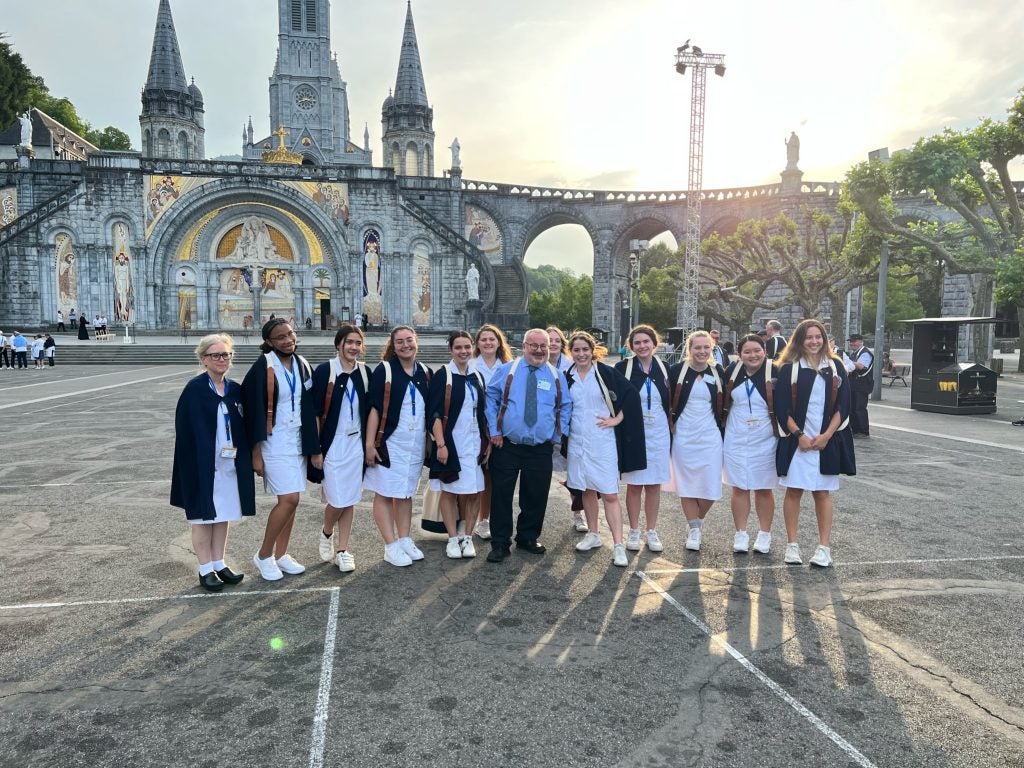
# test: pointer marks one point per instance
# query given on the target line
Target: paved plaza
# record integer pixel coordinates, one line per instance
(908, 652)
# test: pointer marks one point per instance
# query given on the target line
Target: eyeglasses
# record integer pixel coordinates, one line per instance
(220, 355)
(536, 347)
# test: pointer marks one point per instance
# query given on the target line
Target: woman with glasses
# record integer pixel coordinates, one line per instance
(812, 405)
(396, 442)
(280, 414)
(491, 350)
(212, 475)
(340, 389)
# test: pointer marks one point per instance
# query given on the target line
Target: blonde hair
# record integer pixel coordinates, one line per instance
(561, 335)
(689, 342)
(598, 350)
(208, 341)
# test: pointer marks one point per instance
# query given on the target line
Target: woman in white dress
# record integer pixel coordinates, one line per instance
(697, 399)
(813, 411)
(395, 442)
(750, 442)
(212, 476)
(601, 401)
(650, 377)
(455, 413)
(558, 356)
(492, 350)
(340, 390)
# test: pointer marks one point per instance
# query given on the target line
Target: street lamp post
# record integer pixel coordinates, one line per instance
(699, 64)
(637, 249)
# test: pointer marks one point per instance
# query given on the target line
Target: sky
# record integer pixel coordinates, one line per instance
(579, 93)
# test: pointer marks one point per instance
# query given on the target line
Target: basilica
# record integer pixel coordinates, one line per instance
(305, 226)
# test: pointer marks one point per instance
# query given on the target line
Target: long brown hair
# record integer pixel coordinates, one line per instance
(794, 350)
(599, 350)
(503, 353)
(389, 348)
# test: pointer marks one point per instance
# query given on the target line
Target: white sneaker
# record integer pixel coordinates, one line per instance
(822, 557)
(793, 554)
(394, 554)
(579, 520)
(326, 547)
(268, 568)
(763, 543)
(468, 550)
(741, 542)
(483, 529)
(591, 541)
(693, 540)
(287, 564)
(633, 540)
(453, 550)
(619, 556)
(654, 541)
(409, 548)
(346, 563)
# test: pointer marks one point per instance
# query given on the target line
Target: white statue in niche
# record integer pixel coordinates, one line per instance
(26, 129)
(254, 242)
(473, 283)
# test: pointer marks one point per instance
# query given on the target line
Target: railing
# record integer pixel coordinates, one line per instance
(45, 209)
(264, 170)
(829, 188)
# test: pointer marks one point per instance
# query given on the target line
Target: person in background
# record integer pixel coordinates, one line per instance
(717, 351)
(492, 350)
(49, 350)
(6, 353)
(862, 383)
(774, 340)
(60, 321)
(37, 351)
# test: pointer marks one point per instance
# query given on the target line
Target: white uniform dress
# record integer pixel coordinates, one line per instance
(226, 504)
(284, 465)
(749, 441)
(805, 468)
(656, 438)
(466, 435)
(593, 458)
(405, 449)
(697, 448)
(343, 465)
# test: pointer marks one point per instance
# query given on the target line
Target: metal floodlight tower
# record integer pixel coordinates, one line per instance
(698, 63)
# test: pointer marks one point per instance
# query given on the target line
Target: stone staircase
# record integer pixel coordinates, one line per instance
(510, 290)
(40, 212)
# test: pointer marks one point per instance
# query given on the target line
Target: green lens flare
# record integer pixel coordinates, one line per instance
(276, 643)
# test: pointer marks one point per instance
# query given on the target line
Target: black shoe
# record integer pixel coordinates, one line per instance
(497, 554)
(533, 547)
(228, 576)
(1018, 423)
(210, 582)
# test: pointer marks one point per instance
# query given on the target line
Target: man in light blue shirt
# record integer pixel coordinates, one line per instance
(525, 415)
(20, 345)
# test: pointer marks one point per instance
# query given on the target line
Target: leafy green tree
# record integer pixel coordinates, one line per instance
(1010, 290)
(546, 277)
(902, 301)
(15, 80)
(658, 289)
(109, 138)
(568, 306)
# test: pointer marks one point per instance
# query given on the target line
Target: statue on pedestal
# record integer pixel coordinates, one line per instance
(473, 283)
(455, 147)
(26, 129)
(792, 151)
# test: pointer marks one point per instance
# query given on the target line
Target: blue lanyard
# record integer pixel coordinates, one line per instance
(290, 377)
(412, 395)
(222, 405)
(472, 391)
(749, 386)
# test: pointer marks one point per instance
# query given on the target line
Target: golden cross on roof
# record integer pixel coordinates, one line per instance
(280, 133)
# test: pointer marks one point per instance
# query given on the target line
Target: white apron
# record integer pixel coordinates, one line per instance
(593, 460)
(466, 435)
(405, 448)
(750, 441)
(656, 436)
(343, 465)
(805, 469)
(226, 503)
(697, 448)
(284, 465)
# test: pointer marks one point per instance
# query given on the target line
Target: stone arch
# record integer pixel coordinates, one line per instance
(543, 220)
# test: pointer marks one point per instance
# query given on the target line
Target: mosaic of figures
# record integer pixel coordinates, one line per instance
(238, 303)
(254, 241)
(8, 205)
(372, 267)
(482, 231)
(421, 296)
(330, 197)
(67, 273)
(124, 289)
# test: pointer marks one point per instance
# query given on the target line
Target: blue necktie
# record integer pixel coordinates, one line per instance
(530, 411)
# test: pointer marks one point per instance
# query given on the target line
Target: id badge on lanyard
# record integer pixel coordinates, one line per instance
(412, 400)
(350, 395)
(752, 421)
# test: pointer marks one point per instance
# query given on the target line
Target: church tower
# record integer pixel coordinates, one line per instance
(407, 118)
(308, 98)
(172, 109)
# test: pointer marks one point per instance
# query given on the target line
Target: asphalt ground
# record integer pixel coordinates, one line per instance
(907, 653)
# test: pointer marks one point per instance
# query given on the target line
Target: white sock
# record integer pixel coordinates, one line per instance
(698, 523)
(206, 568)
(218, 565)
(453, 538)
(634, 531)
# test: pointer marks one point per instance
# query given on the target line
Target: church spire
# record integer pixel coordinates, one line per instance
(166, 71)
(409, 85)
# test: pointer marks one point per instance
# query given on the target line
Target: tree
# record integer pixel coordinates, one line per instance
(902, 300)
(568, 307)
(15, 80)
(546, 277)
(109, 138)
(658, 289)
(1010, 290)
(967, 172)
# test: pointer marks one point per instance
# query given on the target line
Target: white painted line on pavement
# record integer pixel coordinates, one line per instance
(781, 567)
(94, 389)
(164, 598)
(1019, 449)
(76, 379)
(890, 407)
(770, 684)
(99, 482)
(323, 697)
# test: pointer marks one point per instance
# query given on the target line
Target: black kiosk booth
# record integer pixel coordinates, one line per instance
(939, 383)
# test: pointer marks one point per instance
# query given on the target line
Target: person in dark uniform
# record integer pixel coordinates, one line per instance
(774, 340)
(861, 384)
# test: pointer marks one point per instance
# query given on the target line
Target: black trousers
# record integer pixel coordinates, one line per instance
(22, 358)
(4, 358)
(531, 466)
(860, 391)
(60, 326)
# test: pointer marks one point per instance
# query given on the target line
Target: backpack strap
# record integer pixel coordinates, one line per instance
(447, 400)
(387, 402)
(271, 383)
(769, 395)
(677, 391)
(504, 396)
(328, 395)
(558, 401)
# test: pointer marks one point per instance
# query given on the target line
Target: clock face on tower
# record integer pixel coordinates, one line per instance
(305, 97)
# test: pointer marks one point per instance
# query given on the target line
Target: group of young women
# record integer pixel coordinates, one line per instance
(756, 424)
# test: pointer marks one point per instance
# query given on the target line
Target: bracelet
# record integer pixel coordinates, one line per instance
(441, 446)
(798, 434)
